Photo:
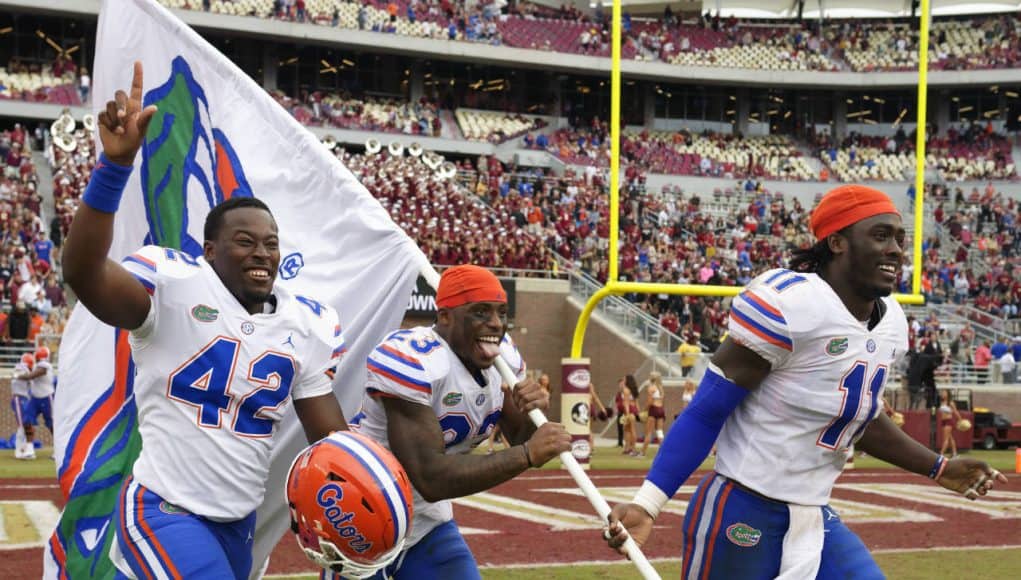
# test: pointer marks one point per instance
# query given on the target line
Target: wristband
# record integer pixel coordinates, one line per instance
(528, 457)
(650, 498)
(106, 186)
(938, 467)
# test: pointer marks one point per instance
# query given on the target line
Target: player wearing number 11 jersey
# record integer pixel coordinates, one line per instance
(220, 353)
(799, 379)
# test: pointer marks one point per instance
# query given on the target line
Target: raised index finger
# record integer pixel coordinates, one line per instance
(136, 85)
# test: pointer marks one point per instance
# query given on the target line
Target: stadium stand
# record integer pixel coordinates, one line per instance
(961, 43)
(39, 84)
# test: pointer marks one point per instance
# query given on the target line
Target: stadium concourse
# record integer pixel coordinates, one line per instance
(482, 128)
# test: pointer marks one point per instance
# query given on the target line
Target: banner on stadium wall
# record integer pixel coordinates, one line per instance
(216, 135)
(422, 303)
(575, 406)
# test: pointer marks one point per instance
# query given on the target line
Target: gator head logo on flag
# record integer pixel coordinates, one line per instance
(188, 166)
(185, 160)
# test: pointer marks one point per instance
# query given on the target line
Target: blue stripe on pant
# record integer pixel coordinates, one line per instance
(731, 533)
(160, 540)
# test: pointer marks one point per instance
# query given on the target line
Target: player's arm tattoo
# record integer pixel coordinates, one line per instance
(417, 442)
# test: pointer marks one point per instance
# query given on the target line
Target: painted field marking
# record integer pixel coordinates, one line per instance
(850, 511)
(858, 512)
(615, 495)
(558, 519)
(991, 505)
(29, 486)
(465, 531)
(25, 524)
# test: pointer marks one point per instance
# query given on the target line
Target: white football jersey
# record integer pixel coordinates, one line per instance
(418, 366)
(42, 386)
(20, 387)
(789, 439)
(212, 382)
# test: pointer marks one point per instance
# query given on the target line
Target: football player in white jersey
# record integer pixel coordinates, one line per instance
(798, 380)
(432, 395)
(20, 398)
(220, 352)
(40, 397)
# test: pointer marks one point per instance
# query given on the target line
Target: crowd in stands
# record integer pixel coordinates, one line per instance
(377, 114)
(667, 237)
(33, 298)
(422, 117)
(495, 127)
(680, 152)
(975, 42)
(974, 151)
(450, 225)
(527, 218)
(975, 255)
(58, 83)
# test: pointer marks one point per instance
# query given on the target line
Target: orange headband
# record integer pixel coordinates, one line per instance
(846, 205)
(463, 284)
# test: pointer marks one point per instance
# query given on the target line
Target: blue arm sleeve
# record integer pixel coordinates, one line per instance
(692, 436)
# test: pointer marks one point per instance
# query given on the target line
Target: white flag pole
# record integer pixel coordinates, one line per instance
(580, 477)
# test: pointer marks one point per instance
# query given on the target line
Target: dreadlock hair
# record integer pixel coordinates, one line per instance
(814, 258)
(811, 259)
(214, 219)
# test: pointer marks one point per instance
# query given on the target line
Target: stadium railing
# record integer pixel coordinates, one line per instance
(10, 353)
(639, 323)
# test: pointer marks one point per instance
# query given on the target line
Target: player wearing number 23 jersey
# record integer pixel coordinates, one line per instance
(418, 366)
(798, 380)
(433, 394)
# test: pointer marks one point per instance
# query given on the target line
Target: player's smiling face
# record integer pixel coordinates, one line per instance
(245, 255)
(875, 254)
(474, 331)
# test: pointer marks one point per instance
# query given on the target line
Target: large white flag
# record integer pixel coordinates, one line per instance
(216, 135)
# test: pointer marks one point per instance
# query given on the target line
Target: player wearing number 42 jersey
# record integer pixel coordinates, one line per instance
(798, 380)
(220, 351)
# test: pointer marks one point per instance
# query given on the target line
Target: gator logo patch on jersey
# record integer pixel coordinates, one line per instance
(169, 508)
(837, 346)
(452, 399)
(743, 535)
(204, 313)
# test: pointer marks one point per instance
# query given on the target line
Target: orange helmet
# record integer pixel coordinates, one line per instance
(42, 353)
(350, 503)
(28, 360)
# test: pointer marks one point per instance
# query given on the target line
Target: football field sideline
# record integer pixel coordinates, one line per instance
(541, 522)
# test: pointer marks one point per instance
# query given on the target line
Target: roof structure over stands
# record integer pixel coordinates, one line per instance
(828, 8)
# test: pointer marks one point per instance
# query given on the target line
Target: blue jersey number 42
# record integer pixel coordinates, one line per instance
(204, 382)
